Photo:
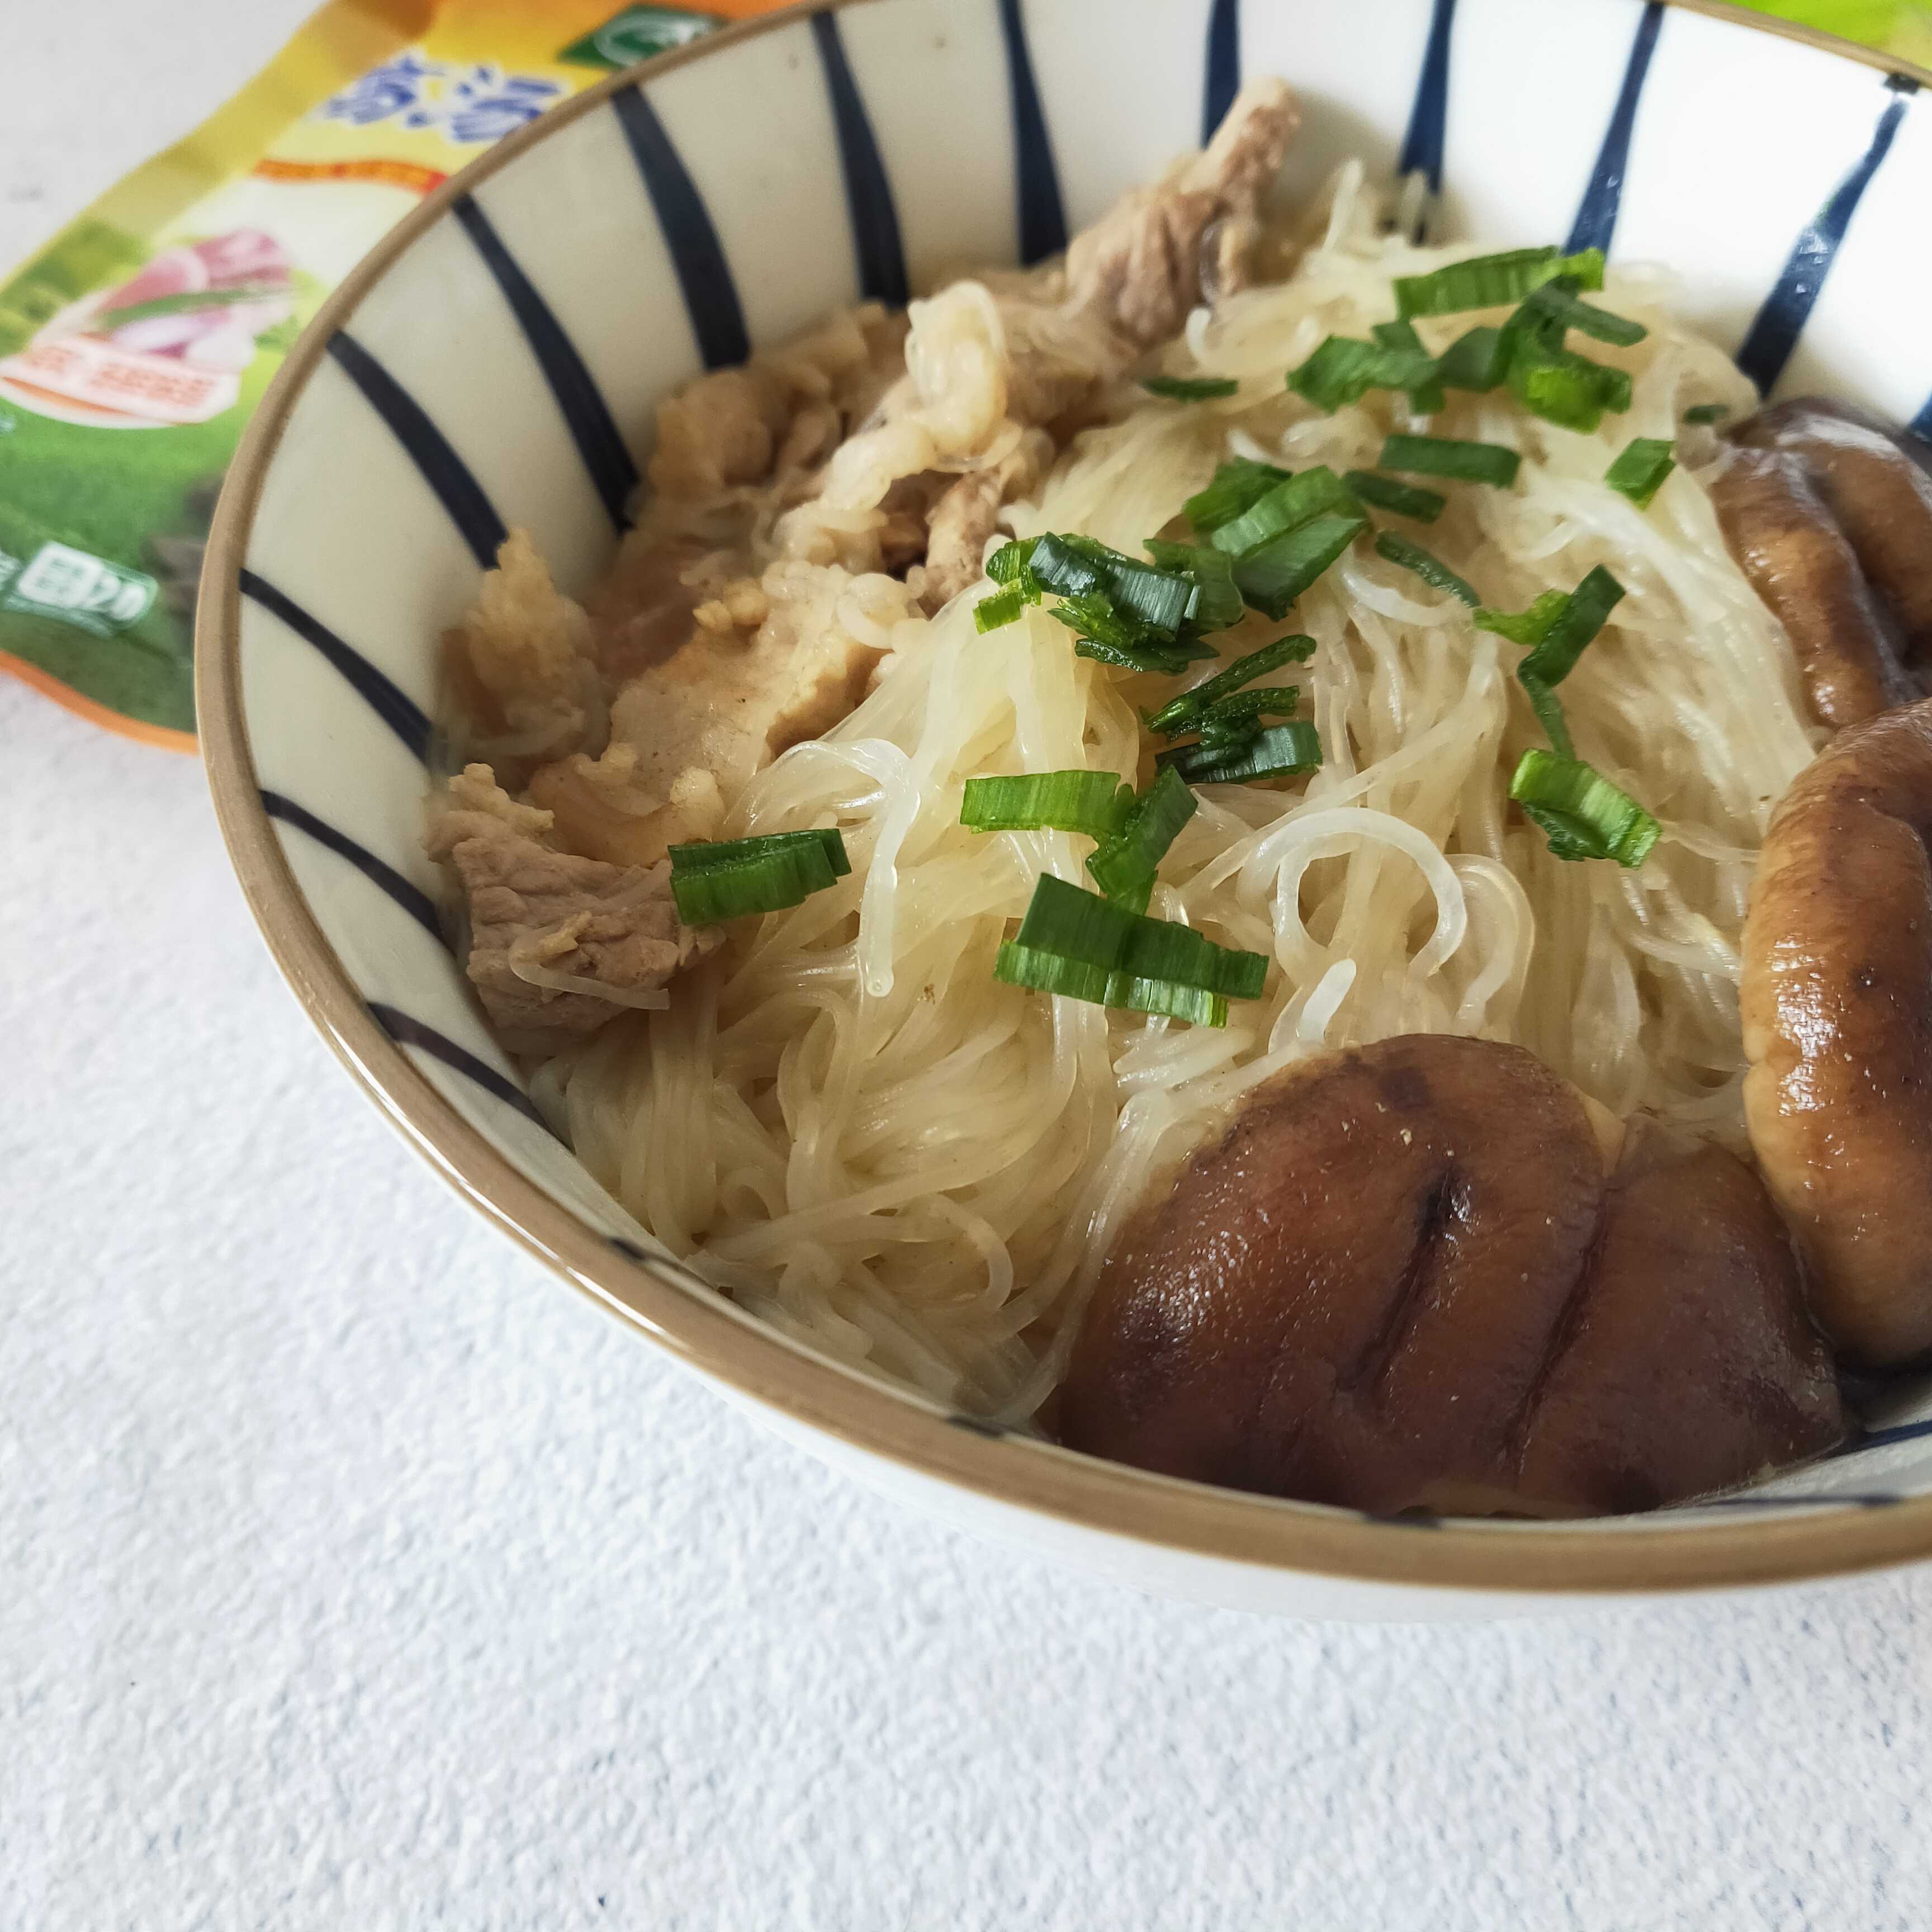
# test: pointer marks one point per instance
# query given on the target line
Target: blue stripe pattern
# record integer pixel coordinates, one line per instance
(1429, 117)
(1774, 335)
(1221, 71)
(1043, 216)
(411, 898)
(868, 193)
(407, 1031)
(395, 707)
(1596, 220)
(446, 472)
(586, 414)
(710, 294)
(1921, 425)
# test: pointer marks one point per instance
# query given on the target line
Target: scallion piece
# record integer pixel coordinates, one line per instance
(1548, 710)
(1493, 281)
(1003, 607)
(1219, 603)
(1062, 918)
(1581, 814)
(1161, 660)
(1707, 413)
(1280, 752)
(1125, 865)
(1524, 627)
(731, 878)
(1010, 565)
(1432, 571)
(1287, 504)
(1238, 715)
(1041, 972)
(1449, 456)
(1582, 616)
(1237, 485)
(1424, 398)
(1184, 713)
(1640, 468)
(1477, 359)
(1189, 388)
(1272, 577)
(1080, 801)
(1401, 499)
(1343, 370)
(1079, 566)
(1556, 302)
(1563, 388)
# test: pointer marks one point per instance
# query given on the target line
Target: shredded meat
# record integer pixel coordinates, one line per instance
(969, 513)
(615, 927)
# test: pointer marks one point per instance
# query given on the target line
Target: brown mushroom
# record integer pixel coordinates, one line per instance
(1778, 528)
(1837, 1005)
(1404, 1278)
(1875, 483)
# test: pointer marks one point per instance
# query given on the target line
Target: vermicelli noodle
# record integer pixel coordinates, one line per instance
(845, 1122)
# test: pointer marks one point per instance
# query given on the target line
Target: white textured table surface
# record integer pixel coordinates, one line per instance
(354, 1575)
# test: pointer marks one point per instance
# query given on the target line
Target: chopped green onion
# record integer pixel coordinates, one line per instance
(1003, 607)
(1286, 505)
(1076, 566)
(1240, 713)
(1189, 388)
(1162, 660)
(1342, 371)
(1018, 965)
(1272, 577)
(1707, 413)
(1477, 359)
(1011, 564)
(1556, 302)
(1583, 815)
(1563, 388)
(1639, 471)
(1185, 713)
(1548, 710)
(1125, 865)
(1492, 281)
(1080, 801)
(1432, 571)
(1524, 627)
(1079, 925)
(1449, 456)
(1402, 499)
(1280, 752)
(1220, 603)
(1424, 398)
(720, 879)
(1237, 485)
(1582, 617)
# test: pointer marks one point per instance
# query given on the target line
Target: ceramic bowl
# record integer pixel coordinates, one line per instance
(495, 362)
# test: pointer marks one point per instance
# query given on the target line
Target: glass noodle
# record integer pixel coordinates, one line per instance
(843, 1119)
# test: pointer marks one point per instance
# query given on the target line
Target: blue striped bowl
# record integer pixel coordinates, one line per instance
(495, 362)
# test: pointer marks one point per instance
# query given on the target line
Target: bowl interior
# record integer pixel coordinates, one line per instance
(496, 363)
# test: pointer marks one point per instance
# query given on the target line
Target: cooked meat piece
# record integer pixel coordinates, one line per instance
(969, 513)
(558, 944)
(1402, 1279)
(520, 660)
(1836, 999)
(1876, 484)
(1798, 562)
(688, 734)
(1139, 268)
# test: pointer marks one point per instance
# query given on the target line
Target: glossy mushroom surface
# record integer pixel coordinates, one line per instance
(1836, 1004)
(1777, 524)
(1414, 1274)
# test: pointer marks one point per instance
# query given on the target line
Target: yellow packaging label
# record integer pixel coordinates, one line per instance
(133, 349)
